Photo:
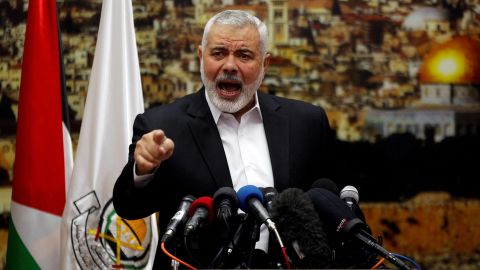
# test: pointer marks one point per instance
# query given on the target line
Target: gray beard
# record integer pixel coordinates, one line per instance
(230, 106)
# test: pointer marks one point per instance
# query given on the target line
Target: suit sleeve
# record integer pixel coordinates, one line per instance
(330, 155)
(132, 202)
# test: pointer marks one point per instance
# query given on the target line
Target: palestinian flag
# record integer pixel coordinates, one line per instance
(43, 147)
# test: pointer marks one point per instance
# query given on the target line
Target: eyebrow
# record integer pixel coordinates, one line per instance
(223, 47)
(245, 50)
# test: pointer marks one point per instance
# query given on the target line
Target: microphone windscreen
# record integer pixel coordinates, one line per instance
(341, 225)
(301, 229)
(225, 193)
(205, 202)
(350, 192)
(247, 192)
(326, 184)
(330, 208)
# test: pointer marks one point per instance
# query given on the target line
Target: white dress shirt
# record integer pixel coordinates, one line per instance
(245, 146)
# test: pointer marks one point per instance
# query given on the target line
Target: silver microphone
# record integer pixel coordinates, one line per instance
(349, 195)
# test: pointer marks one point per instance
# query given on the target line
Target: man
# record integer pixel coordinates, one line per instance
(226, 134)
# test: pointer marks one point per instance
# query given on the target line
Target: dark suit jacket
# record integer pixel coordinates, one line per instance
(299, 141)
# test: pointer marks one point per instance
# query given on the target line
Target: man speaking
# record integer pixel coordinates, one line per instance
(225, 135)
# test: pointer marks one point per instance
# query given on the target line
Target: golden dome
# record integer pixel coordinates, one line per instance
(455, 61)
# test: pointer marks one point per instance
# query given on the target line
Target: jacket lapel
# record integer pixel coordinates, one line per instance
(277, 132)
(208, 139)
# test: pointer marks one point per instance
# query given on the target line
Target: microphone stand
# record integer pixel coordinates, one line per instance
(245, 238)
(224, 255)
(255, 236)
(175, 264)
(238, 253)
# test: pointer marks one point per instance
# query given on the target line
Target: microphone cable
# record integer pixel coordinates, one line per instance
(162, 246)
(410, 260)
(402, 257)
(217, 257)
(254, 237)
(282, 247)
(378, 264)
(234, 246)
(226, 249)
(229, 231)
(189, 252)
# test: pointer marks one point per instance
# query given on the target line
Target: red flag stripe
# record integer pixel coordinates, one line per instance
(39, 177)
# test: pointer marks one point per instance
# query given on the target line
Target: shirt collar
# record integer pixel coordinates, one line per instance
(216, 112)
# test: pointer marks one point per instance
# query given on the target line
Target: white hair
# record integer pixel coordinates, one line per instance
(239, 18)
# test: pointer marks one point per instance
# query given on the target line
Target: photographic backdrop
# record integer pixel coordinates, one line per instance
(400, 81)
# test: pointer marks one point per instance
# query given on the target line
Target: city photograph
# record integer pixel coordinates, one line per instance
(398, 80)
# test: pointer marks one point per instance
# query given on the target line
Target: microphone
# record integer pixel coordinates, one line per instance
(269, 194)
(251, 200)
(338, 218)
(200, 212)
(302, 229)
(225, 203)
(326, 184)
(178, 219)
(350, 196)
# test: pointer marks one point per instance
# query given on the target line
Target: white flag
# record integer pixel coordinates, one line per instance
(93, 236)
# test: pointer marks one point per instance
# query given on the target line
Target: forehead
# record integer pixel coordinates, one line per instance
(234, 35)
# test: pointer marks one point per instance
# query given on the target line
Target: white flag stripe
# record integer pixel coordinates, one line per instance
(114, 99)
(38, 240)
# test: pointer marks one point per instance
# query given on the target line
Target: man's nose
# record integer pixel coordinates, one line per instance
(230, 65)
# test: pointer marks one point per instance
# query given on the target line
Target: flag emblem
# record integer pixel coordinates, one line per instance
(103, 240)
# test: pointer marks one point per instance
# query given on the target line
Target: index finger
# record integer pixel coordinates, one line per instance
(159, 136)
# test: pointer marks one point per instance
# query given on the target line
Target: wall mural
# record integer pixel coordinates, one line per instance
(400, 80)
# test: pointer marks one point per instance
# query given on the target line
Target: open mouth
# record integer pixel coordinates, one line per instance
(229, 89)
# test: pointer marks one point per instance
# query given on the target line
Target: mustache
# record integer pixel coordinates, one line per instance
(229, 77)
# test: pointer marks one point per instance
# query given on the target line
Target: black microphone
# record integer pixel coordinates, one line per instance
(178, 219)
(225, 203)
(269, 194)
(301, 229)
(326, 184)
(350, 196)
(201, 213)
(338, 218)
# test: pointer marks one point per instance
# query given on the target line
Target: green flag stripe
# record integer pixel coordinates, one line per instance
(18, 256)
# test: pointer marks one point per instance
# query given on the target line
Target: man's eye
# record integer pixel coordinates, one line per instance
(217, 54)
(245, 57)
